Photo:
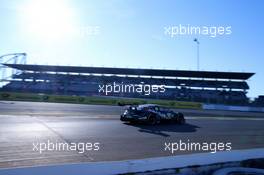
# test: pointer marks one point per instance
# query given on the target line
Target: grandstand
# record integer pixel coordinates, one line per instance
(198, 86)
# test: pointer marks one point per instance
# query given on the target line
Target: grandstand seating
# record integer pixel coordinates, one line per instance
(213, 87)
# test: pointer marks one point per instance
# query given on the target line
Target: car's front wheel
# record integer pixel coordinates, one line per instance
(181, 119)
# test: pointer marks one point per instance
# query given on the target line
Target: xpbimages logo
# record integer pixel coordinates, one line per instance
(144, 89)
(80, 147)
(211, 31)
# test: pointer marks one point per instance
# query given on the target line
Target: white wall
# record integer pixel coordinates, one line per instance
(233, 108)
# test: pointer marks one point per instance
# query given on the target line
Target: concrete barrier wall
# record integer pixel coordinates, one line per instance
(183, 164)
(232, 108)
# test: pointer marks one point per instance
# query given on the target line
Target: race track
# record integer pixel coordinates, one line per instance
(25, 123)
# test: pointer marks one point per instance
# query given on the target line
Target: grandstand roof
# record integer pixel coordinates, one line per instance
(133, 71)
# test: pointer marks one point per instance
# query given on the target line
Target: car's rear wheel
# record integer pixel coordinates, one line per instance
(152, 120)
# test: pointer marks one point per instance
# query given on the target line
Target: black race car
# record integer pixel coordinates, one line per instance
(151, 114)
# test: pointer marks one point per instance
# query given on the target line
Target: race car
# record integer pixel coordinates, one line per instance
(151, 114)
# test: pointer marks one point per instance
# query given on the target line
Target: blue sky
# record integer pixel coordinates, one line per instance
(130, 33)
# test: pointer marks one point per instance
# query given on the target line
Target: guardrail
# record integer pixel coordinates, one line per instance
(115, 101)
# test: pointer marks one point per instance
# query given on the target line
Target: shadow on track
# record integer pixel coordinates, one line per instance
(160, 129)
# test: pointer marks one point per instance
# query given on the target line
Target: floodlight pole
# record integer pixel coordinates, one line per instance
(198, 53)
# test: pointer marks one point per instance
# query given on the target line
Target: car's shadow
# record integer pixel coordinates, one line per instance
(161, 129)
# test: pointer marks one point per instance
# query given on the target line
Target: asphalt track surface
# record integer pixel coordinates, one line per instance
(25, 123)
